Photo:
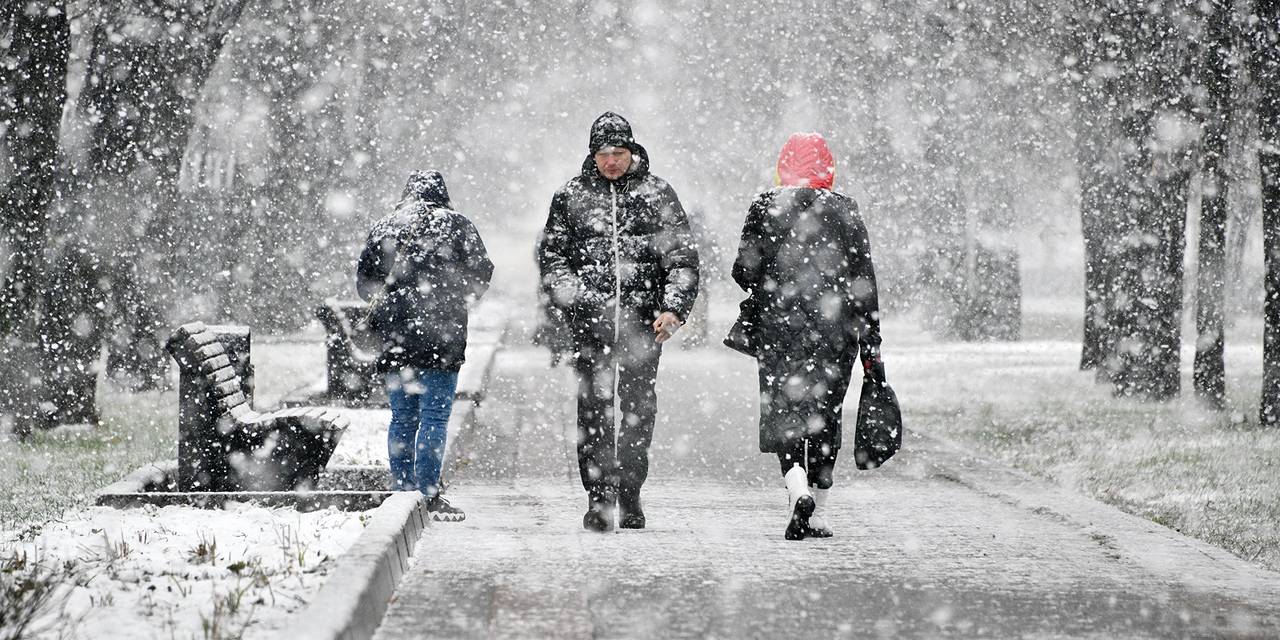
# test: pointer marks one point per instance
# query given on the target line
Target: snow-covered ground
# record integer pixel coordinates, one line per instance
(365, 441)
(182, 572)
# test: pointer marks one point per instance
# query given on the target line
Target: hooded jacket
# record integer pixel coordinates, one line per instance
(628, 238)
(420, 267)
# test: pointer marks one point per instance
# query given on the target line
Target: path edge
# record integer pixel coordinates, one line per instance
(1177, 557)
(356, 594)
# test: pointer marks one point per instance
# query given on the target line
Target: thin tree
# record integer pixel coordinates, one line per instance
(1216, 68)
(1266, 75)
(33, 69)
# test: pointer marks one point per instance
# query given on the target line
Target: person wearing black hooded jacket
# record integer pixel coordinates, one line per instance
(420, 268)
(812, 310)
(619, 269)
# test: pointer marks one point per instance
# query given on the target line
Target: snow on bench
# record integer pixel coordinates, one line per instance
(223, 444)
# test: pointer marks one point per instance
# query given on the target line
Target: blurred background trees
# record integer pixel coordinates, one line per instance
(222, 159)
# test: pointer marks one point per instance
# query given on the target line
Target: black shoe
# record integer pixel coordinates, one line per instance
(599, 515)
(441, 511)
(798, 528)
(630, 512)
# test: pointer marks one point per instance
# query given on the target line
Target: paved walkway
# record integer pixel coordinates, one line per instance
(936, 545)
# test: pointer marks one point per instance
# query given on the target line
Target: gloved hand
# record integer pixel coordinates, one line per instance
(872, 365)
(552, 332)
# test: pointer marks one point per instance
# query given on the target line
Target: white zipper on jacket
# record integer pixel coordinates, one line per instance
(617, 321)
(617, 269)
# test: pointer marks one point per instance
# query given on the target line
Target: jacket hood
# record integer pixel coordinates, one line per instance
(611, 130)
(425, 186)
(805, 161)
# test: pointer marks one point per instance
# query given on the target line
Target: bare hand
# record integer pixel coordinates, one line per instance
(665, 326)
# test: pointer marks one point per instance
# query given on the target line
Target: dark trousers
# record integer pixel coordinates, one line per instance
(612, 457)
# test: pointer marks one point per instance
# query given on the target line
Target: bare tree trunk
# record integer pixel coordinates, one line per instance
(1101, 168)
(40, 42)
(1209, 370)
(1149, 310)
(1099, 224)
(35, 92)
(1266, 73)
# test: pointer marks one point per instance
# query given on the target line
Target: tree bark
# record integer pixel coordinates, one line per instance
(1148, 307)
(39, 45)
(1099, 223)
(1209, 369)
(34, 92)
(1266, 74)
(1104, 170)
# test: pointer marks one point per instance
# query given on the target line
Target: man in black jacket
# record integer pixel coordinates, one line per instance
(620, 270)
(420, 268)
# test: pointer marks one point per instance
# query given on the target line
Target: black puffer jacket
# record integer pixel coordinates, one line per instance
(421, 266)
(805, 261)
(638, 218)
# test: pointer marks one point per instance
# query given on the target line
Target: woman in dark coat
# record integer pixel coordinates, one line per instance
(420, 268)
(805, 262)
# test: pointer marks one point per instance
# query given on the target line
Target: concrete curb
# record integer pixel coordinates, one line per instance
(1197, 565)
(355, 596)
(137, 482)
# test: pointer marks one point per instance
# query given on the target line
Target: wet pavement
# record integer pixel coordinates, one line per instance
(936, 544)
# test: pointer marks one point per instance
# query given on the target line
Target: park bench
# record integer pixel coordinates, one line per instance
(351, 351)
(225, 445)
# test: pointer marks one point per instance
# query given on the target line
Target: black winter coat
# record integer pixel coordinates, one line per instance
(637, 216)
(805, 262)
(421, 266)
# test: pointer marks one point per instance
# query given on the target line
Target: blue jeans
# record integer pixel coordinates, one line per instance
(421, 401)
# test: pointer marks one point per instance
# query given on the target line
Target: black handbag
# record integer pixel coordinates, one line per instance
(741, 337)
(878, 434)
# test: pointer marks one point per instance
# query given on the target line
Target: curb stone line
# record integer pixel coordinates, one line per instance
(355, 596)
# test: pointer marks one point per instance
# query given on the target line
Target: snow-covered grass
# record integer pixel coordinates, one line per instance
(53, 471)
(176, 572)
(181, 572)
(1207, 474)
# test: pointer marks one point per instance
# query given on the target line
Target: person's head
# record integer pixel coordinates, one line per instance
(425, 186)
(612, 145)
(805, 161)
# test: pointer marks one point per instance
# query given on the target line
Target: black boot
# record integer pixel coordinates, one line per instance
(630, 512)
(599, 515)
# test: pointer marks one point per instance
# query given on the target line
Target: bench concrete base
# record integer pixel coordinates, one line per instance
(350, 488)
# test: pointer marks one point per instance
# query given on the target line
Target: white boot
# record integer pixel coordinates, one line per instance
(818, 525)
(801, 502)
